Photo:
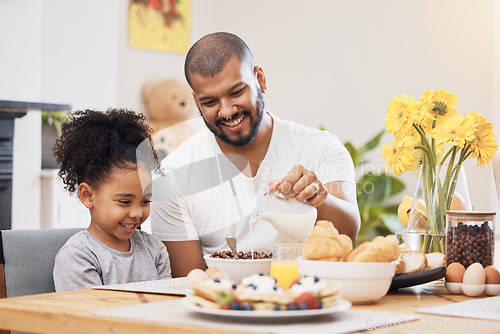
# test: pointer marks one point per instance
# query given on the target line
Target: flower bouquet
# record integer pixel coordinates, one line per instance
(430, 136)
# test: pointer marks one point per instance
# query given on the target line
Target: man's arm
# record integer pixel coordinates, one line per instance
(341, 208)
(185, 256)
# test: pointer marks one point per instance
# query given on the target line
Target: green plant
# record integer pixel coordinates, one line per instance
(54, 118)
(373, 192)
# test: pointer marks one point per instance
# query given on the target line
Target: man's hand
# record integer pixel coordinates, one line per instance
(301, 184)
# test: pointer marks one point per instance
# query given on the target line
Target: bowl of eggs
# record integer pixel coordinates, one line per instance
(473, 281)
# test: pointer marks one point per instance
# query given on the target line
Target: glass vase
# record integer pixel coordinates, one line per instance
(439, 188)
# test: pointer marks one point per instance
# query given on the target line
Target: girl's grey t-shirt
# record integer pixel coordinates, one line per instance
(85, 262)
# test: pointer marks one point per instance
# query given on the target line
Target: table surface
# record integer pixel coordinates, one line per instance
(71, 312)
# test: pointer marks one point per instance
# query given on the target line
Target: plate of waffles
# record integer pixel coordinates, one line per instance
(339, 306)
(259, 296)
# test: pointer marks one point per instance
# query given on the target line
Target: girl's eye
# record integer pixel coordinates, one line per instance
(147, 201)
(124, 201)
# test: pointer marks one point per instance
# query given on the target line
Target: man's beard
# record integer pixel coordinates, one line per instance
(254, 124)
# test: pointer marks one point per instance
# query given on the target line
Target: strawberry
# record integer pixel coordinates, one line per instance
(308, 300)
(294, 281)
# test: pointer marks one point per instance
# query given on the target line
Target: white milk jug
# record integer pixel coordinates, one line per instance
(290, 217)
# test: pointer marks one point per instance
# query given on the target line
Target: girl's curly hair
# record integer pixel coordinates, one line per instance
(92, 143)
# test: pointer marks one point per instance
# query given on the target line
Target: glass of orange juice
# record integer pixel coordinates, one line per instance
(284, 263)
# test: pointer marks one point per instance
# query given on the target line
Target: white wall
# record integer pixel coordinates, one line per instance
(334, 63)
(495, 96)
(80, 53)
(20, 76)
(338, 63)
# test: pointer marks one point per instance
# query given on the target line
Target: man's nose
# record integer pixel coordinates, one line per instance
(227, 109)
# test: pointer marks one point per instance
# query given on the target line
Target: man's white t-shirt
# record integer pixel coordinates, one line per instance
(203, 196)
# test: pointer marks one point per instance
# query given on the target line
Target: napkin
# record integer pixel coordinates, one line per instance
(170, 286)
(174, 312)
(485, 308)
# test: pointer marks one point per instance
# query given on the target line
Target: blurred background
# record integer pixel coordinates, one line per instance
(333, 64)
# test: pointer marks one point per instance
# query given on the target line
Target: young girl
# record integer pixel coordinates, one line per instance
(98, 155)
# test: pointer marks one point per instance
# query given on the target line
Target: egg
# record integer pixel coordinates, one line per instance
(455, 272)
(492, 275)
(475, 275)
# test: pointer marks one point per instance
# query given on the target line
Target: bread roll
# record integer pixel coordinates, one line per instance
(435, 260)
(380, 249)
(413, 262)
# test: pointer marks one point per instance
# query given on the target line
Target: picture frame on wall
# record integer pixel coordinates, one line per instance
(161, 25)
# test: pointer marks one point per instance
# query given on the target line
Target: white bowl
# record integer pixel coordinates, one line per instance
(492, 289)
(473, 290)
(454, 288)
(238, 269)
(361, 282)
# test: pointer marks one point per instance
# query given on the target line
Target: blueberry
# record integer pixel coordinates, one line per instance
(302, 306)
(275, 288)
(248, 308)
(299, 282)
(217, 280)
(316, 279)
(234, 306)
(277, 308)
(253, 286)
(291, 307)
(262, 274)
(234, 285)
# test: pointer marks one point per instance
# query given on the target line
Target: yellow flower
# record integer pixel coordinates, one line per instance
(455, 131)
(422, 131)
(441, 107)
(401, 114)
(484, 144)
(400, 155)
(419, 159)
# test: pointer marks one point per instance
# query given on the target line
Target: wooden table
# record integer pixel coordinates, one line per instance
(70, 312)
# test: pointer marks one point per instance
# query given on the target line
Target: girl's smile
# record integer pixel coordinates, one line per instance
(119, 206)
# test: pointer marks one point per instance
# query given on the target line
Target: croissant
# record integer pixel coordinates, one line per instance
(380, 249)
(326, 244)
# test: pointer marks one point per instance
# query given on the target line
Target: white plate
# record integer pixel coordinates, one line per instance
(341, 305)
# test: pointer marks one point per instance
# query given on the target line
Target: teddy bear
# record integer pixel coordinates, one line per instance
(170, 110)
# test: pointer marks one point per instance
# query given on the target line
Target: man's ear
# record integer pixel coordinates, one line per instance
(196, 101)
(261, 78)
(86, 194)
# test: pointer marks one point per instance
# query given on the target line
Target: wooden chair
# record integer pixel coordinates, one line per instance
(27, 260)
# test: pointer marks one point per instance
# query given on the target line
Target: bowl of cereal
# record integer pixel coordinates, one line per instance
(245, 265)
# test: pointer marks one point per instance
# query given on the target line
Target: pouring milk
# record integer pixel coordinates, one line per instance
(290, 217)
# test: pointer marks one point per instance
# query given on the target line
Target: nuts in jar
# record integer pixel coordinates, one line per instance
(470, 237)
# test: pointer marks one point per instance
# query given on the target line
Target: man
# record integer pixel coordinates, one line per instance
(216, 176)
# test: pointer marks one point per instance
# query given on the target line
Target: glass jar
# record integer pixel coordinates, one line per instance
(470, 237)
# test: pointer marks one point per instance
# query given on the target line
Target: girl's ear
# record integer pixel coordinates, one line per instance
(85, 193)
